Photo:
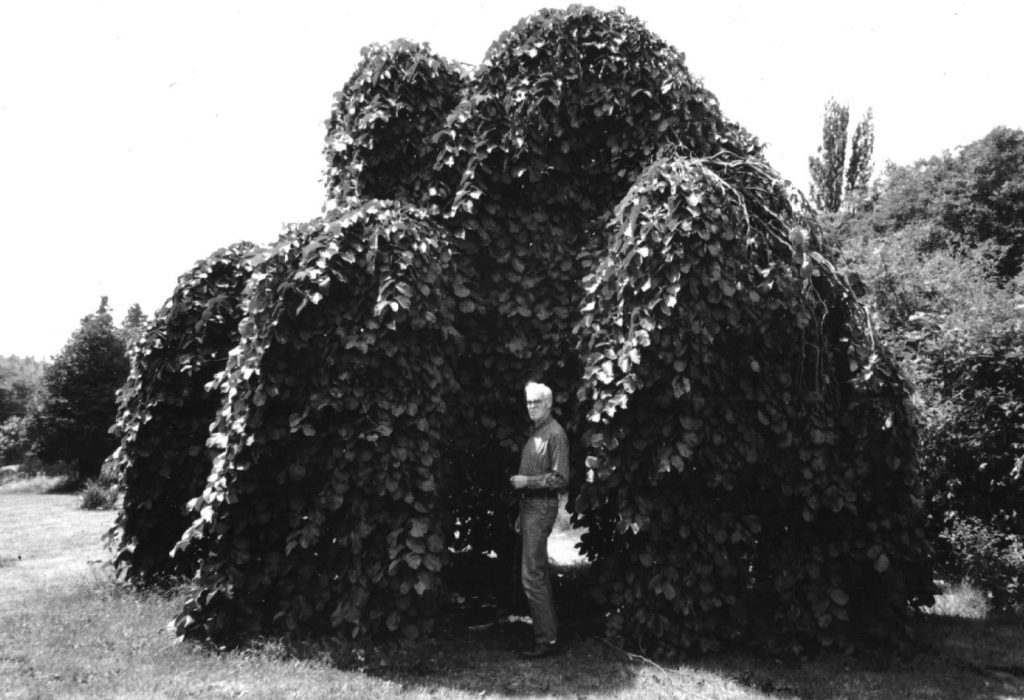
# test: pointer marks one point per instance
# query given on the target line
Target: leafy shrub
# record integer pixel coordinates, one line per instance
(977, 434)
(752, 453)
(961, 599)
(988, 558)
(321, 513)
(165, 411)
(97, 495)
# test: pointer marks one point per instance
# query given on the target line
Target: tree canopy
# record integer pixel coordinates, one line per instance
(971, 195)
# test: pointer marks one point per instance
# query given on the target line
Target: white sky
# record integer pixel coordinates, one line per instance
(137, 137)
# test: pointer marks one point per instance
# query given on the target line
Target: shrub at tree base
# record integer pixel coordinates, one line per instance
(976, 475)
(166, 410)
(96, 495)
(751, 453)
(989, 559)
(321, 511)
(979, 437)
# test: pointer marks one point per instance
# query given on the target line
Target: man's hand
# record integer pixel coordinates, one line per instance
(518, 482)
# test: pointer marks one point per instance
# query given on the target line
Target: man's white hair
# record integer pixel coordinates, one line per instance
(541, 391)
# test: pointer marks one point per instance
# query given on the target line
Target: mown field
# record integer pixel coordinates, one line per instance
(67, 632)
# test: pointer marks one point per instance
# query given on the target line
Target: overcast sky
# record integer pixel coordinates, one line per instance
(137, 137)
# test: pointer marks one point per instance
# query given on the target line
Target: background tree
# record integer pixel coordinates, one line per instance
(79, 401)
(20, 386)
(133, 325)
(983, 195)
(20, 381)
(966, 197)
(935, 244)
(827, 168)
(862, 146)
(833, 179)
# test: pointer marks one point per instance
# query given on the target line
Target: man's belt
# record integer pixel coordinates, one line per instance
(539, 493)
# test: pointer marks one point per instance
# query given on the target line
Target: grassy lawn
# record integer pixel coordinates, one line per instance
(67, 632)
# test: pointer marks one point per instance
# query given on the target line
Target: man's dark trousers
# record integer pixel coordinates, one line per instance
(537, 515)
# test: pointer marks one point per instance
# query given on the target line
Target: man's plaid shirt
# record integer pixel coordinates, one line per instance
(545, 458)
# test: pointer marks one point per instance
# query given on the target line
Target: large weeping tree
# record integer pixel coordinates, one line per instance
(577, 210)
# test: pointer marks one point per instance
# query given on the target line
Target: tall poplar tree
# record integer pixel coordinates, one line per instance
(862, 147)
(832, 179)
(827, 167)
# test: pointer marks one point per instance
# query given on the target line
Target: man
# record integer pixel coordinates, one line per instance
(543, 474)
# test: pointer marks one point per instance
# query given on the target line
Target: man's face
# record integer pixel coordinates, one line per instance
(537, 407)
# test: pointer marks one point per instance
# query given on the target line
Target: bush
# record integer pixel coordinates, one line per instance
(976, 465)
(991, 559)
(97, 495)
(79, 403)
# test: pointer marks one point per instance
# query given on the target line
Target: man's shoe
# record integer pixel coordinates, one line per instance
(538, 651)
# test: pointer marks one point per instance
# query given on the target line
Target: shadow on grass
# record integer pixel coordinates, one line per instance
(480, 630)
(473, 651)
(950, 657)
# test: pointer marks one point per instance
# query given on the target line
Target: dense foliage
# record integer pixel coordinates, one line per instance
(21, 380)
(973, 195)
(862, 147)
(943, 302)
(166, 408)
(563, 114)
(79, 403)
(380, 133)
(753, 447)
(15, 445)
(988, 558)
(321, 512)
